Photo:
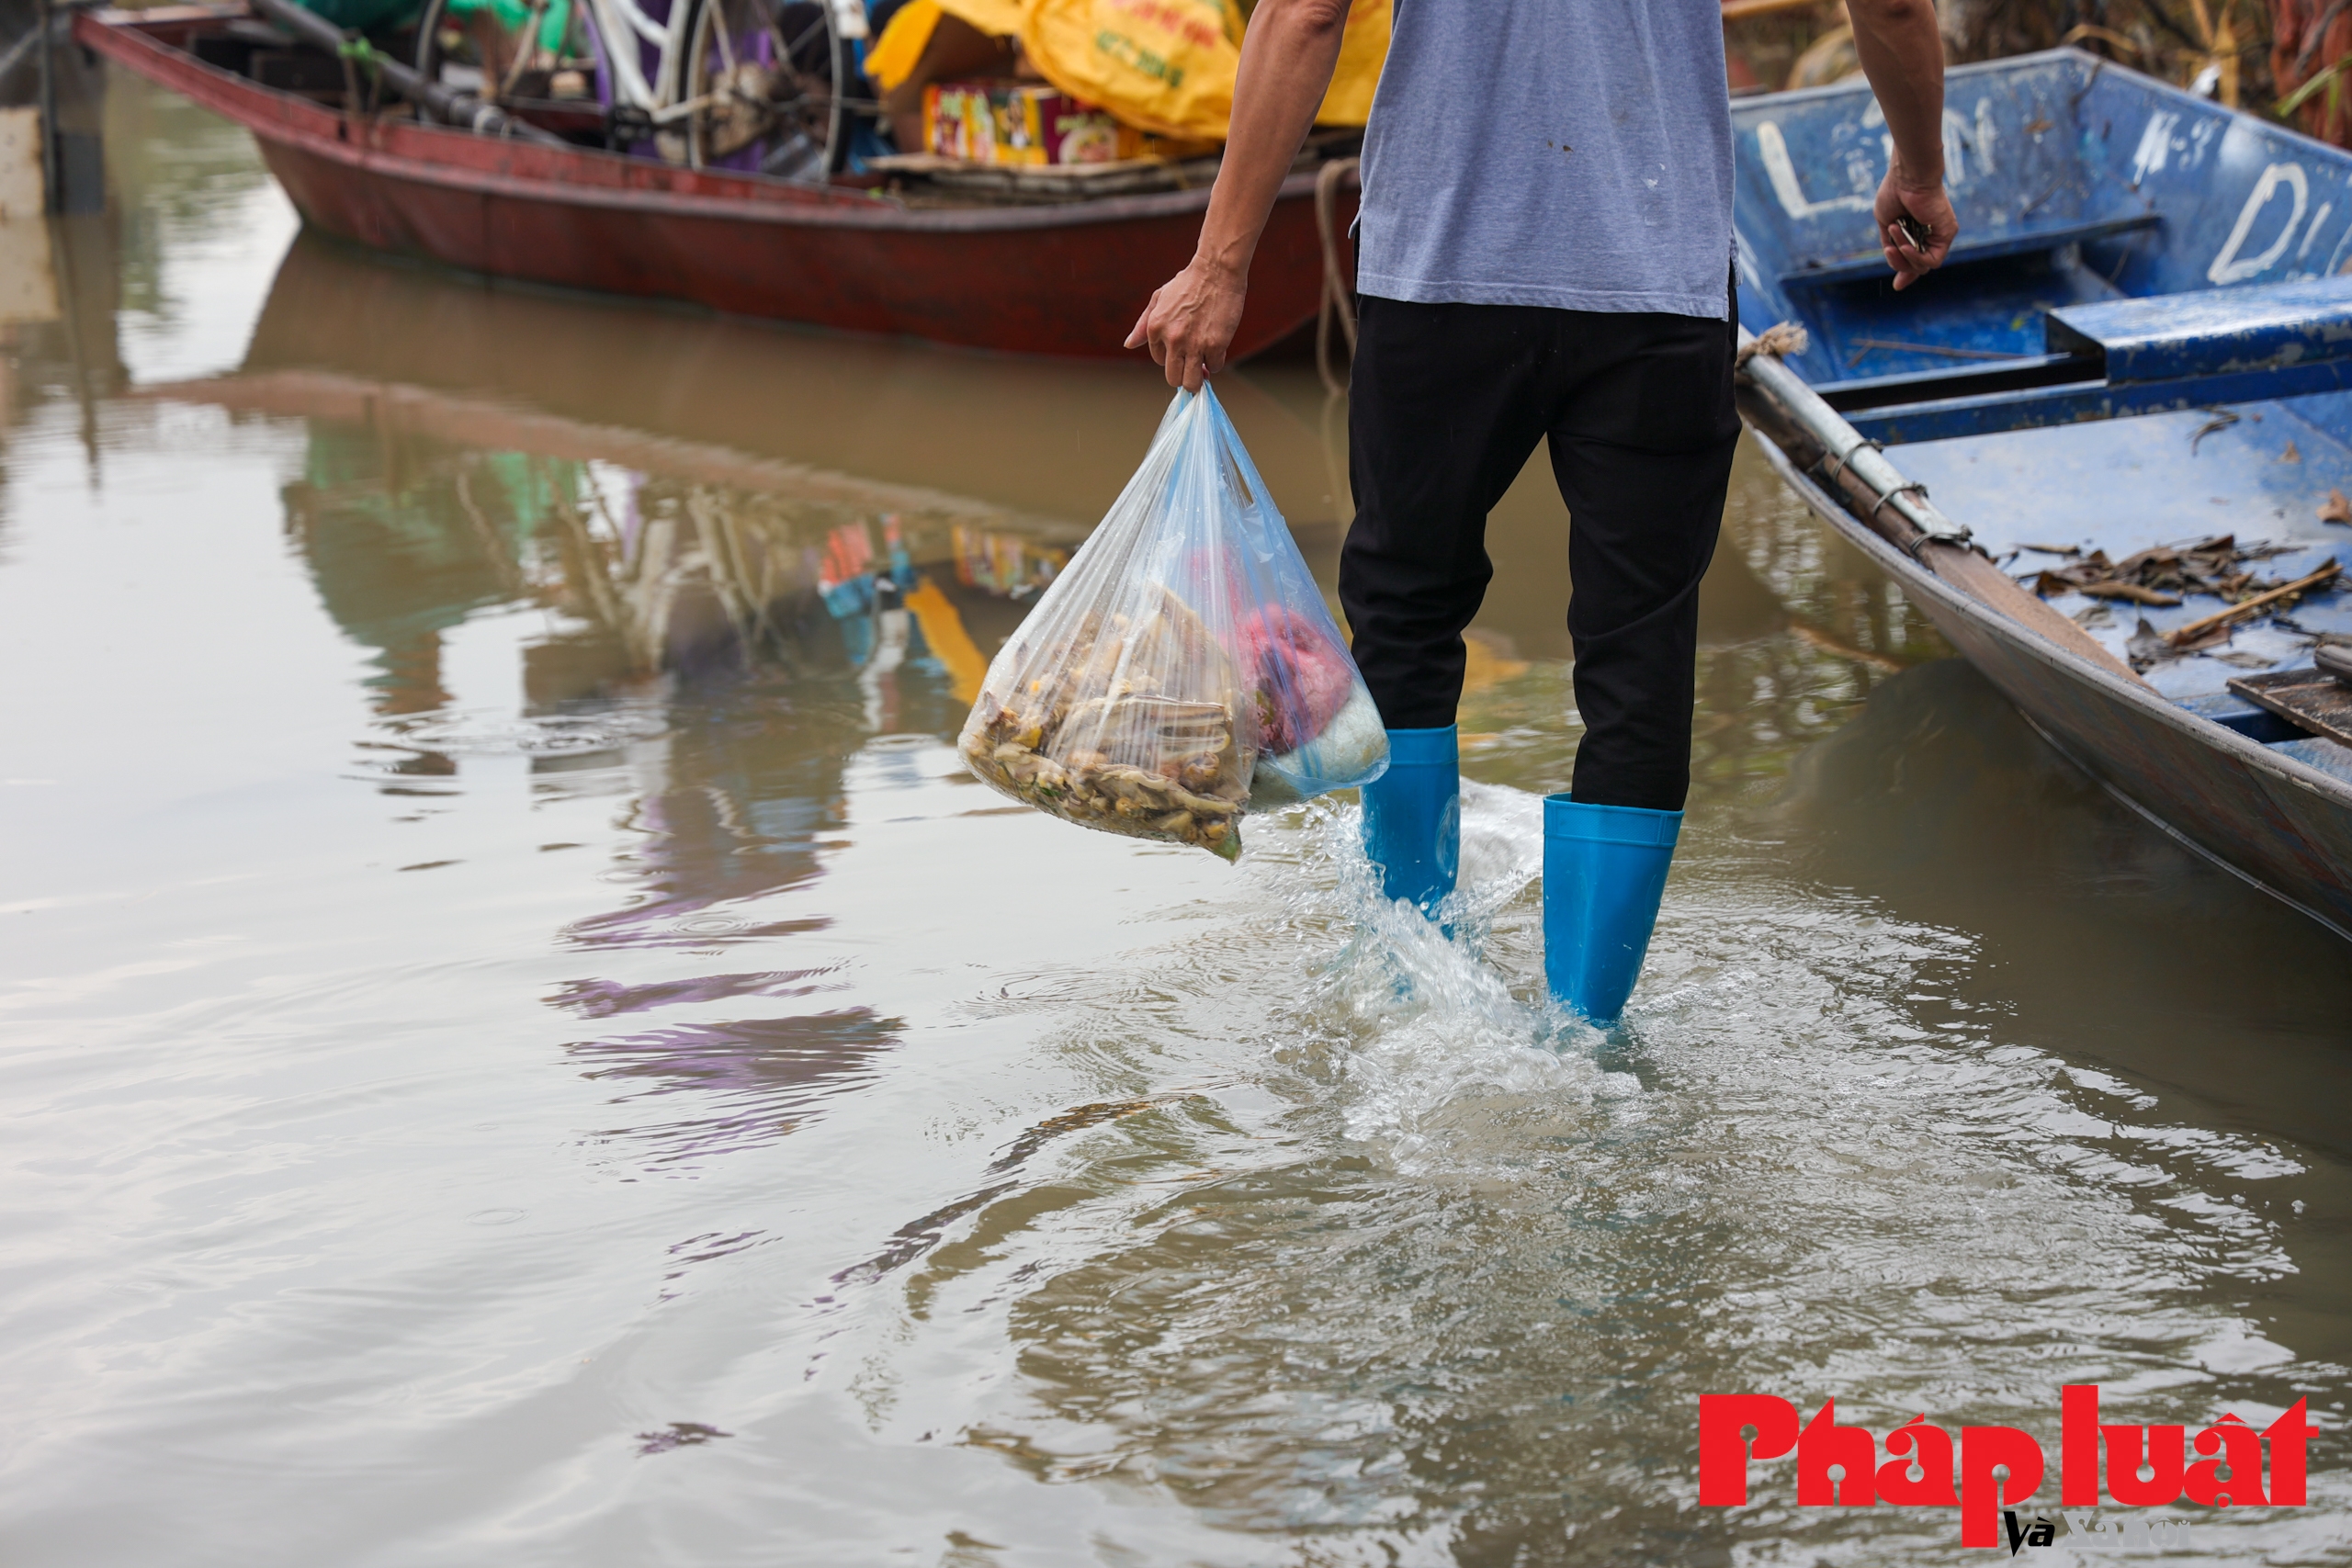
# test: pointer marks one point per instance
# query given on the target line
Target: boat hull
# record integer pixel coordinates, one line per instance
(1064, 280)
(2282, 825)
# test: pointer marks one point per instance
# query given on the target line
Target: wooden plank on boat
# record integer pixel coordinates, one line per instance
(2221, 332)
(2312, 698)
(1048, 182)
(1869, 266)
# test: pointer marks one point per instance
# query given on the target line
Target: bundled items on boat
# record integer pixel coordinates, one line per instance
(1164, 70)
(1025, 124)
(1091, 86)
(1185, 669)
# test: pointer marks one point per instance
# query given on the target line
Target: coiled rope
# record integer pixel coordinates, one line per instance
(1338, 291)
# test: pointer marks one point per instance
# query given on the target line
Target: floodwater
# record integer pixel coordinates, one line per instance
(521, 1045)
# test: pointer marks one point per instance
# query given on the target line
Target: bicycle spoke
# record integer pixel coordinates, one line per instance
(807, 35)
(725, 30)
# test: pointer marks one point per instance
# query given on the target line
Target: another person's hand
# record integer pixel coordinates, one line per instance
(1928, 208)
(1190, 320)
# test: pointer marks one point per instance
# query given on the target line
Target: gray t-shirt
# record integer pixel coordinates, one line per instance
(1574, 153)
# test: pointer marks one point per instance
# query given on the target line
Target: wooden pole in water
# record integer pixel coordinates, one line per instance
(52, 179)
(1899, 511)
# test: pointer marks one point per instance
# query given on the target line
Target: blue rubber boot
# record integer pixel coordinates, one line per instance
(1412, 817)
(1604, 872)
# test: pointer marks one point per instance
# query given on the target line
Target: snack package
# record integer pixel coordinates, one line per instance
(1183, 668)
(1021, 123)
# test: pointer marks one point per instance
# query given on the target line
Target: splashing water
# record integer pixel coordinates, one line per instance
(1449, 1290)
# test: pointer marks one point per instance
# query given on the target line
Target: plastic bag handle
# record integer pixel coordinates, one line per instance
(1234, 458)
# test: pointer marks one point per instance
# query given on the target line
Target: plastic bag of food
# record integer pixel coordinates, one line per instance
(1183, 670)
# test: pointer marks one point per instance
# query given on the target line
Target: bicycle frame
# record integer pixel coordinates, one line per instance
(620, 28)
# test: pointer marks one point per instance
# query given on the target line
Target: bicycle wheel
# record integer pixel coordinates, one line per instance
(449, 51)
(765, 81)
(439, 43)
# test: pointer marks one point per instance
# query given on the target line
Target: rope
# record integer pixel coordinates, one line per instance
(1913, 488)
(357, 55)
(1835, 468)
(1838, 464)
(357, 50)
(1822, 425)
(1778, 342)
(1337, 296)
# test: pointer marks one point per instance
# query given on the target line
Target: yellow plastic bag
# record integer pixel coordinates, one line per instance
(997, 18)
(1362, 53)
(894, 55)
(1168, 65)
(892, 58)
(1163, 66)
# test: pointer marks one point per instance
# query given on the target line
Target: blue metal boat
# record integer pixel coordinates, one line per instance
(2142, 338)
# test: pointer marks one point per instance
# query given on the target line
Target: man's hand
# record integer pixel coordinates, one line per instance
(1287, 57)
(1907, 211)
(1191, 321)
(1902, 55)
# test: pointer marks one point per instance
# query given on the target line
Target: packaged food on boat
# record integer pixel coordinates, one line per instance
(1183, 668)
(1021, 123)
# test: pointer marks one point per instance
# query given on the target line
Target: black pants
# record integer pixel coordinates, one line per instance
(1447, 402)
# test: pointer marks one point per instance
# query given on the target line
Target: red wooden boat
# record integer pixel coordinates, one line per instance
(1066, 279)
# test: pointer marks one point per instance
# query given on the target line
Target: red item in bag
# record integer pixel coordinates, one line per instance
(1301, 678)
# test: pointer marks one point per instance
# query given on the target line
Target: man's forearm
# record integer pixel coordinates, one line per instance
(1286, 63)
(1287, 58)
(1902, 55)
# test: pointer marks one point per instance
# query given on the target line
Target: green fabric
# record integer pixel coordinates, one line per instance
(513, 15)
(390, 16)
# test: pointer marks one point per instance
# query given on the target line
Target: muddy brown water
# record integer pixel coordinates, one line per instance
(521, 1045)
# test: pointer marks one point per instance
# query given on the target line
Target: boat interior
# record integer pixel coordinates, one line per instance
(2141, 346)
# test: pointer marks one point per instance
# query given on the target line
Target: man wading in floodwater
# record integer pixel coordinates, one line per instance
(1545, 251)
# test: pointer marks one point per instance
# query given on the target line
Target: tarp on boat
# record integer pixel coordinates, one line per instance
(1167, 68)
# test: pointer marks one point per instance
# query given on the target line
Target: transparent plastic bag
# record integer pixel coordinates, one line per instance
(1183, 668)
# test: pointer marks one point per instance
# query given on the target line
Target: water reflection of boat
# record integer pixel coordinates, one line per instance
(714, 655)
(1035, 440)
(709, 434)
(2138, 344)
(681, 556)
(1064, 279)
